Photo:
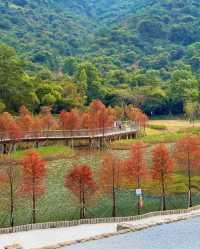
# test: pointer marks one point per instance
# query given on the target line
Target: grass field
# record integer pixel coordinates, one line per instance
(48, 152)
(162, 131)
(175, 125)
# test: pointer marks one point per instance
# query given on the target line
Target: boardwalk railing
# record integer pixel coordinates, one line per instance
(67, 134)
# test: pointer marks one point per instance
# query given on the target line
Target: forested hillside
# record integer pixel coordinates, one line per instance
(48, 30)
(143, 52)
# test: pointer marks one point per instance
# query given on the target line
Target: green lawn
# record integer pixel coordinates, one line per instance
(49, 152)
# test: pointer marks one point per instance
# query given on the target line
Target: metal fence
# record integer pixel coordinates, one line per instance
(60, 224)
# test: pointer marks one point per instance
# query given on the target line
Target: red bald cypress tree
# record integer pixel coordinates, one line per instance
(70, 120)
(136, 115)
(162, 169)
(8, 125)
(104, 119)
(110, 178)
(47, 120)
(187, 155)
(135, 166)
(88, 121)
(9, 128)
(80, 182)
(15, 132)
(34, 170)
(36, 127)
(23, 111)
(9, 182)
(96, 105)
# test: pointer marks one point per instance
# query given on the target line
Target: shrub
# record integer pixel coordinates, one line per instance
(157, 127)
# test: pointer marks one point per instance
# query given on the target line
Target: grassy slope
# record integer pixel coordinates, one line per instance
(59, 204)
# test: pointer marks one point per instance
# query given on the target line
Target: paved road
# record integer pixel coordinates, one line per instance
(180, 235)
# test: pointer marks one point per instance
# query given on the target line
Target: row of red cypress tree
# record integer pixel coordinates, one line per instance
(114, 174)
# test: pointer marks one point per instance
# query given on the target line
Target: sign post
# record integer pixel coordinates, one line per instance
(138, 192)
(140, 201)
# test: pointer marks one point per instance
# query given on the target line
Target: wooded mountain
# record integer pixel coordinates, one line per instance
(48, 30)
(145, 52)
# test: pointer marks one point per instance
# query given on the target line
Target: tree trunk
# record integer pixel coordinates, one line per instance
(103, 142)
(83, 206)
(33, 202)
(189, 183)
(72, 143)
(138, 198)
(4, 149)
(80, 210)
(163, 195)
(34, 207)
(80, 199)
(12, 147)
(37, 144)
(114, 203)
(113, 194)
(11, 205)
(189, 189)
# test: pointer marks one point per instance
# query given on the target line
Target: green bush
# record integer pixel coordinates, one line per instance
(158, 127)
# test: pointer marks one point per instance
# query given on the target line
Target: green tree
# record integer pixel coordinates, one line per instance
(192, 110)
(82, 82)
(70, 65)
(183, 87)
(13, 79)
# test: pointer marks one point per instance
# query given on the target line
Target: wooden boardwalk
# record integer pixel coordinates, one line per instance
(94, 137)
